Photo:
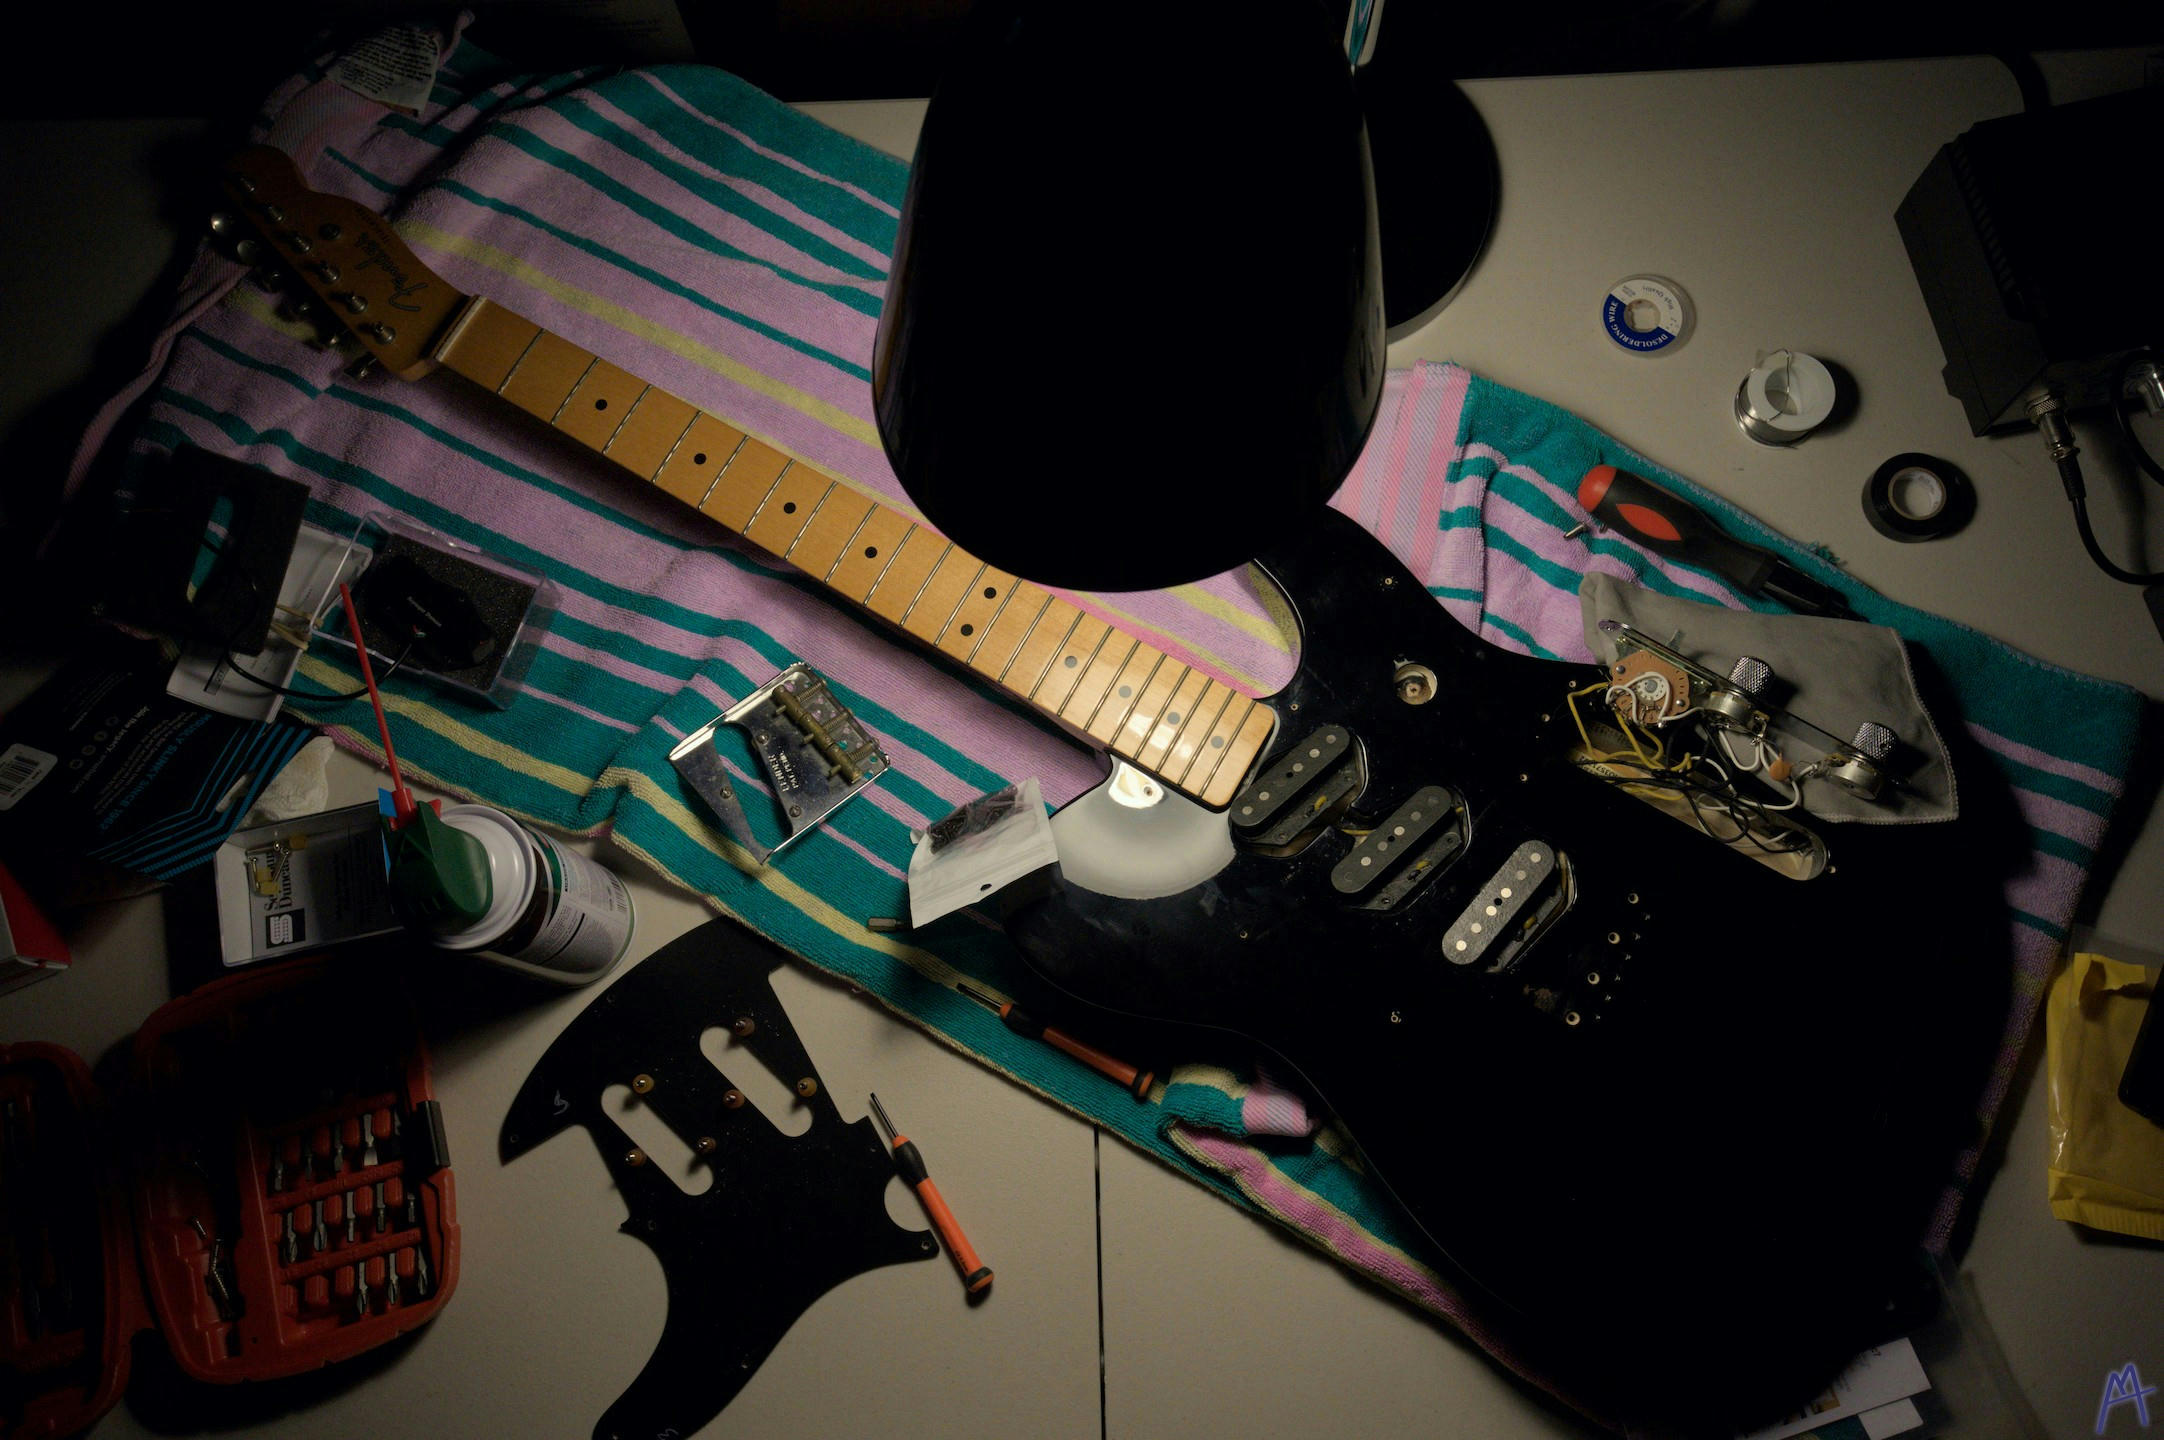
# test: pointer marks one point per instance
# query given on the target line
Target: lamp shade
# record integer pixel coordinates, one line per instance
(1134, 328)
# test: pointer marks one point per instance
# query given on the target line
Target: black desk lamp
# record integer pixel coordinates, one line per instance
(1098, 192)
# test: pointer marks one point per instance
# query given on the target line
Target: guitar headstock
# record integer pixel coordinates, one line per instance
(364, 285)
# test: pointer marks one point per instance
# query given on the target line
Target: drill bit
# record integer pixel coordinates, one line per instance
(420, 1273)
(318, 1242)
(360, 1289)
(368, 1140)
(390, 1282)
(413, 1208)
(383, 1219)
(338, 1147)
(352, 1237)
(278, 1169)
(289, 1244)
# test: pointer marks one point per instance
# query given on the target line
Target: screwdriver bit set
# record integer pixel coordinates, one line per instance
(288, 1202)
(295, 1206)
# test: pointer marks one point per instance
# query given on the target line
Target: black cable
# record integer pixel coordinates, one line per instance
(2077, 493)
(2127, 437)
(319, 697)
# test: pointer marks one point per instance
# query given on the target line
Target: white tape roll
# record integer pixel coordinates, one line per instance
(1786, 396)
(1645, 314)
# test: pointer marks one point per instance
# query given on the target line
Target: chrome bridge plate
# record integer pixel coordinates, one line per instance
(816, 754)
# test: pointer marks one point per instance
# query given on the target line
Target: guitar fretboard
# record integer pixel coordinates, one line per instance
(1196, 734)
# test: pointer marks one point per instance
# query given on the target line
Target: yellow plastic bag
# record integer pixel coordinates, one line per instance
(2107, 1162)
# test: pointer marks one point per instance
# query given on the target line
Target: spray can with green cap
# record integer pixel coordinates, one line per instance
(475, 879)
(469, 877)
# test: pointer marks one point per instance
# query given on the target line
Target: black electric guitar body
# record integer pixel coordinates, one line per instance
(1680, 1144)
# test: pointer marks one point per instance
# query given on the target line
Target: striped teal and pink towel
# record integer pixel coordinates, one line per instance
(709, 239)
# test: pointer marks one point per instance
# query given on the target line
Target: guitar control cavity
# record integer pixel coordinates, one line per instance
(1527, 893)
(1292, 793)
(1382, 853)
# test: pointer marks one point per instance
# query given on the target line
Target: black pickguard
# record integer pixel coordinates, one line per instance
(1695, 1209)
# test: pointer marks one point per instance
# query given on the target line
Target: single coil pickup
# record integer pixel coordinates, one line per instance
(1296, 771)
(1525, 896)
(1407, 832)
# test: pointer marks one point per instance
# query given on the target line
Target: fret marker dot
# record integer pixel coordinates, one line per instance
(699, 459)
(1172, 717)
(1073, 660)
(1217, 742)
(1126, 690)
(788, 507)
(871, 552)
(969, 629)
(991, 592)
(601, 404)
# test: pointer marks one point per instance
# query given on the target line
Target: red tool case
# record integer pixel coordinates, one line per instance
(297, 1093)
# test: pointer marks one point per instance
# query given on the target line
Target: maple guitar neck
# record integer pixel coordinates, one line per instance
(1197, 735)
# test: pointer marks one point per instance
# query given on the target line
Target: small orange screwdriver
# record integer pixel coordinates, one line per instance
(1029, 1027)
(976, 1275)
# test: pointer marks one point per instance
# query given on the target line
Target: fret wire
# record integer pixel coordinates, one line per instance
(627, 419)
(849, 544)
(991, 624)
(787, 466)
(1021, 644)
(959, 600)
(1031, 694)
(832, 486)
(1082, 667)
(1230, 741)
(590, 364)
(1133, 644)
(537, 334)
(1142, 741)
(924, 584)
(672, 449)
(741, 441)
(899, 546)
(1168, 717)
(1194, 713)
(1136, 698)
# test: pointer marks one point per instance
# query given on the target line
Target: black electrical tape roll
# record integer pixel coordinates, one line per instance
(1918, 497)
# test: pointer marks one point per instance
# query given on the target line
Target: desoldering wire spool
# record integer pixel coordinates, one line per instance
(1918, 497)
(1646, 315)
(1786, 396)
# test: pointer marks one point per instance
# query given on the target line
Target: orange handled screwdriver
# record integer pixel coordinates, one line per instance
(1029, 1027)
(976, 1275)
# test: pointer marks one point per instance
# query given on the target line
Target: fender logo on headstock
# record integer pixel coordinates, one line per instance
(381, 259)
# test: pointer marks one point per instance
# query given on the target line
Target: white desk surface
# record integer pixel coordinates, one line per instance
(1130, 1302)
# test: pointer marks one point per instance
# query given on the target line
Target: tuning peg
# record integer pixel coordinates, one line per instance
(247, 251)
(362, 368)
(337, 340)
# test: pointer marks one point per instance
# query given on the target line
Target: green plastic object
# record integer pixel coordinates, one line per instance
(439, 874)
